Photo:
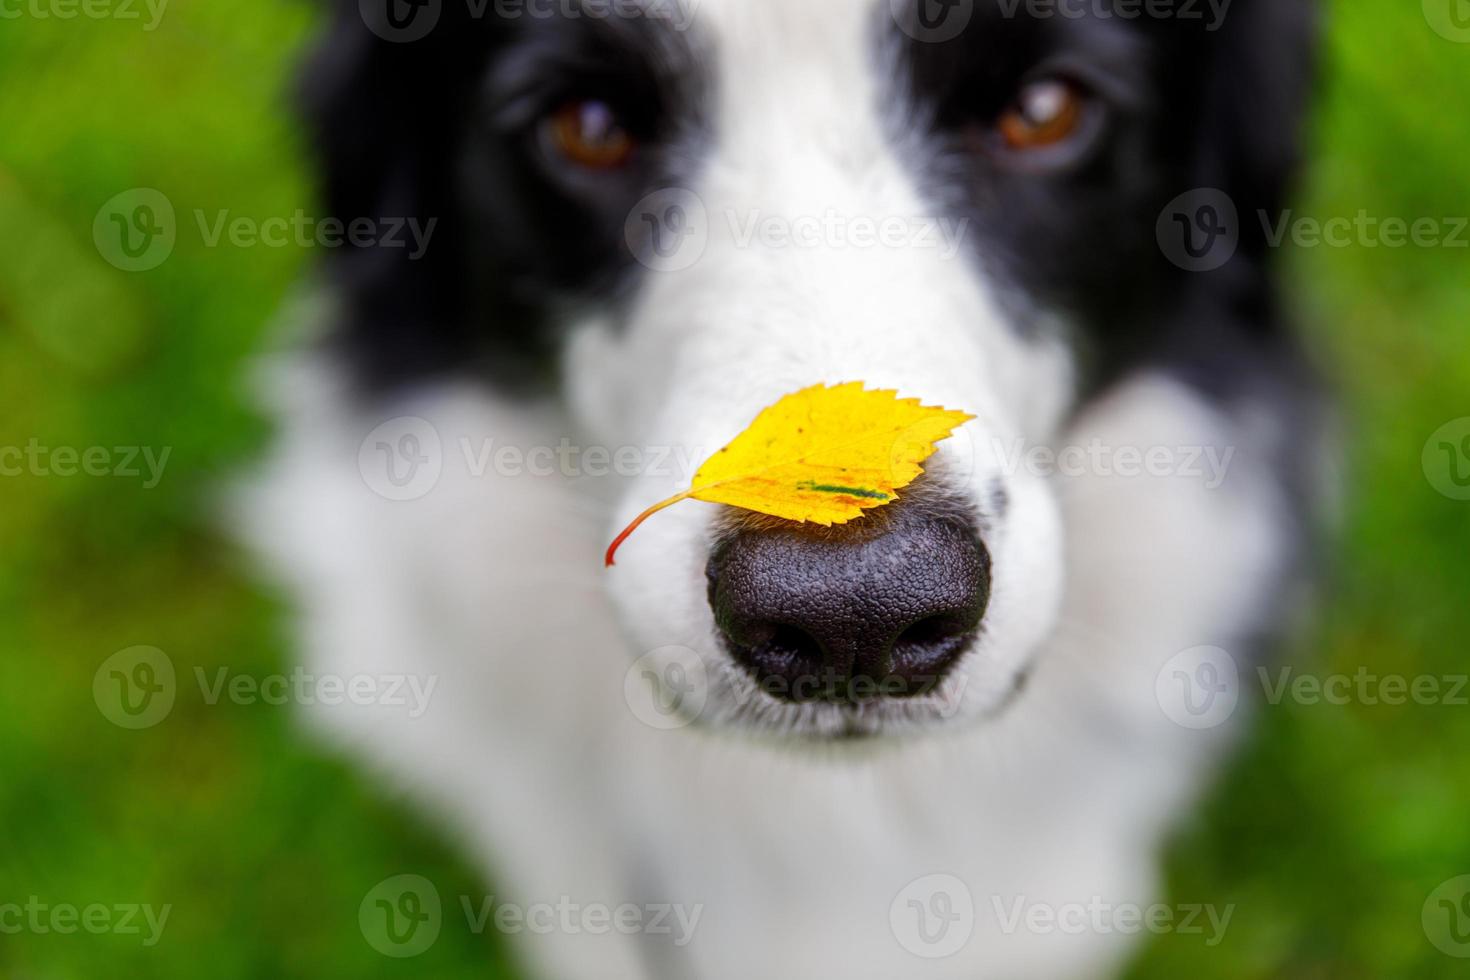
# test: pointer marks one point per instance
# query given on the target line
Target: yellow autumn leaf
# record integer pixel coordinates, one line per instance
(821, 455)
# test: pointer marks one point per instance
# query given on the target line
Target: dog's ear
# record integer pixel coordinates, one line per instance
(1253, 75)
(385, 109)
(1235, 93)
(1261, 68)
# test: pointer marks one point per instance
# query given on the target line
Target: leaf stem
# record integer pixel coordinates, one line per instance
(613, 548)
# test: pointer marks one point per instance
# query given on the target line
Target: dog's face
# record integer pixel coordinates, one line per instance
(682, 213)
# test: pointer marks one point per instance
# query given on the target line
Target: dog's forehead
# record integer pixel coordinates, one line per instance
(783, 23)
(802, 77)
(754, 38)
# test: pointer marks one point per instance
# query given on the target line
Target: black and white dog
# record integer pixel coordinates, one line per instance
(650, 220)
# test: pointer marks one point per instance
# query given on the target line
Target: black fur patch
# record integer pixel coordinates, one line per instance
(443, 127)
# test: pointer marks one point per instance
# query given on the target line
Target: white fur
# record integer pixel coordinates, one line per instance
(795, 850)
(795, 847)
(798, 134)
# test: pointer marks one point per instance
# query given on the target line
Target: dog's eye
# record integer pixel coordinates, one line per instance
(589, 134)
(1045, 113)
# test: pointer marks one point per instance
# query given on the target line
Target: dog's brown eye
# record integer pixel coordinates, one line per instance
(1044, 114)
(590, 135)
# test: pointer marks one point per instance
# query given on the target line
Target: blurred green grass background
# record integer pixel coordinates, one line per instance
(1328, 832)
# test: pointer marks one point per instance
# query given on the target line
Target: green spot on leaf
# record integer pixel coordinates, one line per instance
(849, 491)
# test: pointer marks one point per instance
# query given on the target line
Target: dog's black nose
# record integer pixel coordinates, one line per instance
(879, 608)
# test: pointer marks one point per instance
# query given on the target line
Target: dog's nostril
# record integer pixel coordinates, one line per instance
(852, 615)
(771, 643)
(923, 652)
(782, 658)
(927, 632)
(792, 643)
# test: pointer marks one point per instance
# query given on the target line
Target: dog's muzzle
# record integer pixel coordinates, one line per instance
(879, 608)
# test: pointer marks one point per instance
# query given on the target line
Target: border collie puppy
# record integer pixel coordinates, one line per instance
(945, 740)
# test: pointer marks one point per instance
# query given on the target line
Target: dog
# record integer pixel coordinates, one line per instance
(908, 746)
